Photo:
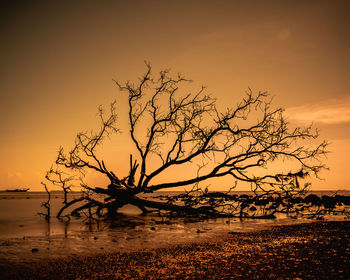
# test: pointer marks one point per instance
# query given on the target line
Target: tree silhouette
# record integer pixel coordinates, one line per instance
(171, 130)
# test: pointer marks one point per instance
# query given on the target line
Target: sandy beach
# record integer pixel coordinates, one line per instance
(319, 250)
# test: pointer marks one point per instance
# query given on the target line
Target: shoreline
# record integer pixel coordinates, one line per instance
(318, 250)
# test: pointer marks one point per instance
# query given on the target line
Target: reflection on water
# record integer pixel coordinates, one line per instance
(21, 230)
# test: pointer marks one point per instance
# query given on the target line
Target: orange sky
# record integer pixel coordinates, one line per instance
(58, 59)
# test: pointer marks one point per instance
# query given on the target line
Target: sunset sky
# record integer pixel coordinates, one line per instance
(59, 59)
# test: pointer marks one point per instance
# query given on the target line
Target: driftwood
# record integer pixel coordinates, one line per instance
(170, 130)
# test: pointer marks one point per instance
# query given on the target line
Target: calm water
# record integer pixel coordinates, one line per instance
(21, 230)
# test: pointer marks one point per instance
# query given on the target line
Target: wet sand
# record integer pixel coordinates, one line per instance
(319, 250)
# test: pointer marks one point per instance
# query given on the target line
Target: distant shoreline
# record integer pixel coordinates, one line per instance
(59, 191)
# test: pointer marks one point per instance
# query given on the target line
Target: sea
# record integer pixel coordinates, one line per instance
(25, 236)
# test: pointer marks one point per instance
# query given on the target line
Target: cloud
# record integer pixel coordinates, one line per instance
(333, 111)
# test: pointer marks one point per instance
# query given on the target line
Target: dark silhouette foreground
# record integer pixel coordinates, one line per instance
(318, 250)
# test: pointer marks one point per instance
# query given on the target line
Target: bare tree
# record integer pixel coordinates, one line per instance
(169, 130)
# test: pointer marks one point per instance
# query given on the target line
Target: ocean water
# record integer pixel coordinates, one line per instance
(22, 229)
